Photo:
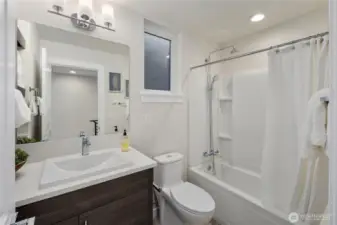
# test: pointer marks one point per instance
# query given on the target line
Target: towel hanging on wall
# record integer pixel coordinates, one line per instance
(22, 111)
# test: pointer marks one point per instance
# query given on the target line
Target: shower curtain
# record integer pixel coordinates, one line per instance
(295, 73)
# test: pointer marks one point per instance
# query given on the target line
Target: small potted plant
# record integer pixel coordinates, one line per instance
(20, 158)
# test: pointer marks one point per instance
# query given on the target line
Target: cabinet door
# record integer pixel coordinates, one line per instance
(132, 210)
(71, 221)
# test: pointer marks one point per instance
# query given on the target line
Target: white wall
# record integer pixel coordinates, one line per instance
(7, 114)
(249, 113)
(74, 102)
(155, 127)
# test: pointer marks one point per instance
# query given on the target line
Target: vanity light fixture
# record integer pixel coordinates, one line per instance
(257, 17)
(84, 17)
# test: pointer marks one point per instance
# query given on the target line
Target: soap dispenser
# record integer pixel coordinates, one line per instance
(125, 142)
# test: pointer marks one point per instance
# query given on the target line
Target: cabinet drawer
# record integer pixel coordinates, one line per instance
(60, 208)
(133, 209)
(71, 221)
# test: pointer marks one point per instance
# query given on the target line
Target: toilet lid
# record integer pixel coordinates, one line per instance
(193, 198)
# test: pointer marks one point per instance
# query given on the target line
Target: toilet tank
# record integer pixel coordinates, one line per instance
(169, 169)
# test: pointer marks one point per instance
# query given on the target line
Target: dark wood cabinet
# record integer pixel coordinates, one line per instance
(71, 221)
(123, 201)
(131, 210)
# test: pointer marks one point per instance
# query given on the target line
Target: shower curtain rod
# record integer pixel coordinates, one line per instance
(259, 51)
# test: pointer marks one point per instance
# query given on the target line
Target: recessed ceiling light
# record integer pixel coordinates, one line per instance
(72, 71)
(257, 17)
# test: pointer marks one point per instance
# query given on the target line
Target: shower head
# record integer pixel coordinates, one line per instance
(211, 83)
(215, 78)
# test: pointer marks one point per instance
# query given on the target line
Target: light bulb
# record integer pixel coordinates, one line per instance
(108, 13)
(85, 9)
(257, 17)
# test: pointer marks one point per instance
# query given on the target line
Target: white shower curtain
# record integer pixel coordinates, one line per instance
(295, 73)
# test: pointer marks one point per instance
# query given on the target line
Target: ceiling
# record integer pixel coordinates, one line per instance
(221, 20)
(65, 70)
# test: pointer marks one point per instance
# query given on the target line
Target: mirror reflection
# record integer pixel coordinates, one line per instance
(68, 84)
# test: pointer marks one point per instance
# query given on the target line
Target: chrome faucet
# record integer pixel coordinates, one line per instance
(85, 143)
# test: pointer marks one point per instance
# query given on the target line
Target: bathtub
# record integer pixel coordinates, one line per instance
(233, 205)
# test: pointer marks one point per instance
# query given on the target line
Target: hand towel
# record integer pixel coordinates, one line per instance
(33, 106)
(22, 112)
(19, 76)
(311, 193)
(41, 105)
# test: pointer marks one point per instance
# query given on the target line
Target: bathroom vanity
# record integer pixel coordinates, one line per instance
(120, 196)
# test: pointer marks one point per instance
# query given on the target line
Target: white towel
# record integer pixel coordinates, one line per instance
(22, 112)
(19, 73)
(33, 106)
(311, 193)
(41, 105)
(326, 217)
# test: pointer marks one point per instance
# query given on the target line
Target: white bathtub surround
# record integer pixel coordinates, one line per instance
(312, 188)
(295, 73)
(249, 119)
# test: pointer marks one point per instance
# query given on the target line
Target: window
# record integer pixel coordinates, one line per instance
(157, 63)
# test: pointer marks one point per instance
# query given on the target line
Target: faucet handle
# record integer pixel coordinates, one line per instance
(82, 134)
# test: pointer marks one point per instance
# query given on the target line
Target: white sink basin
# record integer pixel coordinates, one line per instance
(74, 167)
(84, 162)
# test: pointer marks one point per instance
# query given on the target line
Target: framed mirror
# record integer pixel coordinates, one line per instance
(71, 83)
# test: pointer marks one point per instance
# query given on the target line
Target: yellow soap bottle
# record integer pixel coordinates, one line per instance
(125, 142)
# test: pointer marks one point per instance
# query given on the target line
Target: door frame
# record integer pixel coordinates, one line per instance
(7, 110)
(101, 85)
(332, 130)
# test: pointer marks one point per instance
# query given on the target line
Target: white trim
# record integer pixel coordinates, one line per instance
(100, 84)
(224, 136)
(152, 96)
(225, 98)
(332, 125)
(7, 110)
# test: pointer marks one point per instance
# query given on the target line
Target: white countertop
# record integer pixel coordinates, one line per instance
(28, 179)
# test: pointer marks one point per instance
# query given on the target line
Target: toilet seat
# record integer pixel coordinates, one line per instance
(192, 198)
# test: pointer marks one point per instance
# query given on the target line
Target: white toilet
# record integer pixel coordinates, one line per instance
(180, 202)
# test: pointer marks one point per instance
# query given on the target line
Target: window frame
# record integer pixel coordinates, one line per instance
(170, 61)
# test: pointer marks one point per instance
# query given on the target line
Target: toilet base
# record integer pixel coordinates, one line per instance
(169, 216)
